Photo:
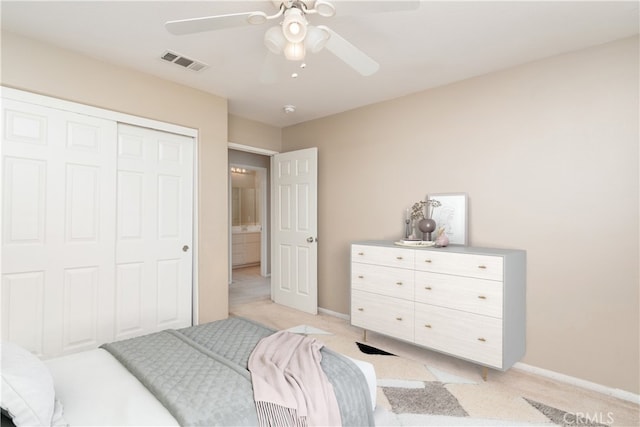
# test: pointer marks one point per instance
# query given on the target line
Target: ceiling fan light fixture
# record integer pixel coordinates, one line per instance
(294, 25)
(294, 51)
(274, 40)
(316, 39)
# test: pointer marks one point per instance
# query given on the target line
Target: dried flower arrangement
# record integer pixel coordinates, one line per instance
(418, 209)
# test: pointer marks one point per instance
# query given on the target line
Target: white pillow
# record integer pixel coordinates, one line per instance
(28, 395)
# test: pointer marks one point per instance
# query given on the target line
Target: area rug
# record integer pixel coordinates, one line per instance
(410, 394)
(429, 389)
(413, 394)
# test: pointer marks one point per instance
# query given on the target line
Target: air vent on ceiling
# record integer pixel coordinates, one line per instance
(183, 61)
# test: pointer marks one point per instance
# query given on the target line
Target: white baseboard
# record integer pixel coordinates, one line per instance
(333, 313)
(588, 385)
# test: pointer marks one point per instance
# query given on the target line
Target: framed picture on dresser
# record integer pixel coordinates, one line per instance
(452, 216)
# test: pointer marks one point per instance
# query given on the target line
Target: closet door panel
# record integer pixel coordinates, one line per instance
(129, 303)
(58, 192)
(80, 323)
(24, 189)
(22, 317)
(154, 231)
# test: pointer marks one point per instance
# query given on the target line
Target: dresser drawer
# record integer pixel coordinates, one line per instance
(469, 294)
(391, 281)
(471, 265)
(387, 315)
(379, 255)
(468, 335)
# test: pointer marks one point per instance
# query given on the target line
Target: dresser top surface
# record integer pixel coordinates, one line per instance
(451, 248)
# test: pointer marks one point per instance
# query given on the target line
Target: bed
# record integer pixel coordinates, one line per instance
(192, 376)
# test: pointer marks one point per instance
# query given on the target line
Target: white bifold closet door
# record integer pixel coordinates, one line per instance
(81, 194)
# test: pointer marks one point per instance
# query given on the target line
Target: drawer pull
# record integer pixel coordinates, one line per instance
(360, 277)
(482, 297)
(482, 339)
(360, 309)
(427, 326)
(398, 257)
(399, 283)
(361, 253)
(427, 260)
(483, 267)
(399, 318)
(428, 288)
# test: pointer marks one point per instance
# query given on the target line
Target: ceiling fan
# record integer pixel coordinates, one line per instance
(294, 36)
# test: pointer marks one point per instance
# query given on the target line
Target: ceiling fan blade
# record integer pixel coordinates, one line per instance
(351, 55)
(362, 7)
(208, 23)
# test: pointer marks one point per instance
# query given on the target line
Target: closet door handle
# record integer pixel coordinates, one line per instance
(185, 248)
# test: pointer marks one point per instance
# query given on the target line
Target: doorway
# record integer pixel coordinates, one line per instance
(249, 222)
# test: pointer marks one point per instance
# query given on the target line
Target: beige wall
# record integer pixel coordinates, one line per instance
(254, 134)
(548, 154)
(47, 70)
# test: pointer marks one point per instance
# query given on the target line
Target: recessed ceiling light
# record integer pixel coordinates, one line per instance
(288, 109)
(294, 75)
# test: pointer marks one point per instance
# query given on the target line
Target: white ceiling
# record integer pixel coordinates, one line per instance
(436, 44)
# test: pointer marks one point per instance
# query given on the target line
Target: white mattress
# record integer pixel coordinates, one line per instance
(95, 389)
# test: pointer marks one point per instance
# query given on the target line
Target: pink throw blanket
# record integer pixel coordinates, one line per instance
(289, 386)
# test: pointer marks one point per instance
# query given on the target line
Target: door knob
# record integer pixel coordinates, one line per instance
(185, 248)
(309, 239)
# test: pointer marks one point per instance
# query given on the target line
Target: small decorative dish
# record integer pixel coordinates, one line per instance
(418, 243)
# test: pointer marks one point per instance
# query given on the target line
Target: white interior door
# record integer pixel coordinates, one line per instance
(58, 224)
(294, 228)
(154, 231)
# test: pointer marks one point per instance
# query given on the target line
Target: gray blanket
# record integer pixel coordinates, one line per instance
(200, 373)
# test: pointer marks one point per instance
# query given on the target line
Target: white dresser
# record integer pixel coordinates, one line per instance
(464, 301)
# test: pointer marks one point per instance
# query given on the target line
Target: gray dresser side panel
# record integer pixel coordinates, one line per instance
(515, 315)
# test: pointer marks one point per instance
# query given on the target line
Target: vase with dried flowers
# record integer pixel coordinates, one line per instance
(422, 212)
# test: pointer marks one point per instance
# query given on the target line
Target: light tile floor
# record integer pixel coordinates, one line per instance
(248, 286)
